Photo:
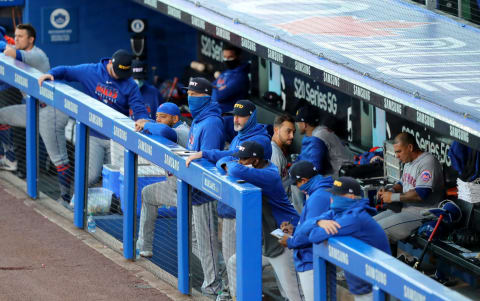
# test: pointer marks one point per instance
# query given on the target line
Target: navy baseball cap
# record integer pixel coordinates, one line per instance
(169, 108)
(308, 114)
(346, 185)
(139, 69)
(249, 149)
(301, 169)
(200, 85)
(122, 64)
(243, 107)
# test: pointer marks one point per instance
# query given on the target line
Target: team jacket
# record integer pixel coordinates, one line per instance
(160, 129)
(151, 98)
(268, 179)
(315, 151)
(316, 204)
(120, 95)
(357, 222)
(231, 85)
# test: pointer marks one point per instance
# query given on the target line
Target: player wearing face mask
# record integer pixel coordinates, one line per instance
(151, 96)
(232, 84)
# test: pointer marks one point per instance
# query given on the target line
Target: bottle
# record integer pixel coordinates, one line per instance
(137, 253)
(91, 226)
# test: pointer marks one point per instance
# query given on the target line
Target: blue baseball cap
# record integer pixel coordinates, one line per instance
(169, 108)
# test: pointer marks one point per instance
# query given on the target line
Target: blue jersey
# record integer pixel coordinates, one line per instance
(231, 86)
(315, 151)
(151, 98)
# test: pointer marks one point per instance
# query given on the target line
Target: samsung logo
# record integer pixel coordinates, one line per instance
(152, 3)
(2, 70)
(97, 120)
(459, 134)
(331, 79)
(425, 119)
(375, 274)
(22, 81)
(413, 295)
(276, 56)
(48, 94)
(212, 185)
(198, 22)
(301, 67)
(145, 147)
(249, 45)
(361, 92)
(118, 132)
(170, 161)
(222, 33)
(72, 107)
(172, 11)
(338, 255)
(392, 105)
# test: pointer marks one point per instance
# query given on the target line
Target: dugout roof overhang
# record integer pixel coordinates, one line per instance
(394, 55)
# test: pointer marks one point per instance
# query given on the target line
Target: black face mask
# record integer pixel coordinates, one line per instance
(232, 64)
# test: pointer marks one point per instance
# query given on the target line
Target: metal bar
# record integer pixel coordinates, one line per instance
(183, 237)
(129, 214)
(431, 4)
(249, 248)
(378, 294)
(32, 146)
(81, 174)
(319, 279)
(460, 8)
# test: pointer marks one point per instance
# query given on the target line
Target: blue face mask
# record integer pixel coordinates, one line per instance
(197, 103)
(306, 187)
(341, 203)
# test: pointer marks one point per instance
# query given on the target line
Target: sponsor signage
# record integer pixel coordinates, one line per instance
(60, 25)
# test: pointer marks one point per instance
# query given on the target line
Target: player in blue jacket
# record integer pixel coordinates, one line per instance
(305, 176)
(350, 215)
(206, 132)
(110, 82)
(252, 167)
(150, 95)
(232, 84)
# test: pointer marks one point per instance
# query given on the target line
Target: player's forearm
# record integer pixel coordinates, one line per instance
(410, 196)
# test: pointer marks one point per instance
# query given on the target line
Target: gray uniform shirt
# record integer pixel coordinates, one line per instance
(424, 172)
(280, 161)
(36, 58)
(338, 153)
(182, 134)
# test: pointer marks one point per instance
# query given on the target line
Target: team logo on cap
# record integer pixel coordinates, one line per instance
(337, 183)
(426, 175)
(137, 69)
(241, 148)
(192, 83)
(123, 67)
(238, 105)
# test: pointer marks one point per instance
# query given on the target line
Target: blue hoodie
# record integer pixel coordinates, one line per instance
(120, 95)
(160, 129)
(317, 203)
(231, 85)
(315, 151)
(151, 98)
(355, 221)
(268, 179)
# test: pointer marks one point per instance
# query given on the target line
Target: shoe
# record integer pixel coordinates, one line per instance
(212, 289)
(146, 254)
(6, 164)
(64, 203)
(224, 295)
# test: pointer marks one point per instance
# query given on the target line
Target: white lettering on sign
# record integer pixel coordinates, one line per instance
(145, 147)
(72, 107)
(222, 33)
(276, 56)
(325, 101)
(459, 134)
(2, 70)
(170, 161)
(425, 119)
(197, 22)
(361, 92)
(252, 46)
(338, 255)
(210, 48)
(301, 67)
(331, 79)
(411, 294)
(375, 274)
(176, 13)
(438, 149)
(212, 185)
(95, 119)
(152, 3)
(22, 81)
(118, 132)
(392, 105)
(48, 94)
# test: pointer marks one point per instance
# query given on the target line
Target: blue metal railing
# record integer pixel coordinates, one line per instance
(384, 272)
(90, 113)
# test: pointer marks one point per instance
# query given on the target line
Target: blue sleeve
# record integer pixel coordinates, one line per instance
(255, 176)
(348, 225)
(212, 137)
(223, 161)
(3, 45)
(214, 155)
(233, 87)
(423, 192)
(160, 129)
(70, 73)
(321, 153)
(19, 55)
(300, 236)
(135, 102)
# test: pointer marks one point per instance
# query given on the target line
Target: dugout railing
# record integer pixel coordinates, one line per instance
(89, 114)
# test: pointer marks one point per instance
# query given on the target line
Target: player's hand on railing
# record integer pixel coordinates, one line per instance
(287, 228)
(193, 157)
(330, 226)
(140, 124)
(43, 78)
(10, 51)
